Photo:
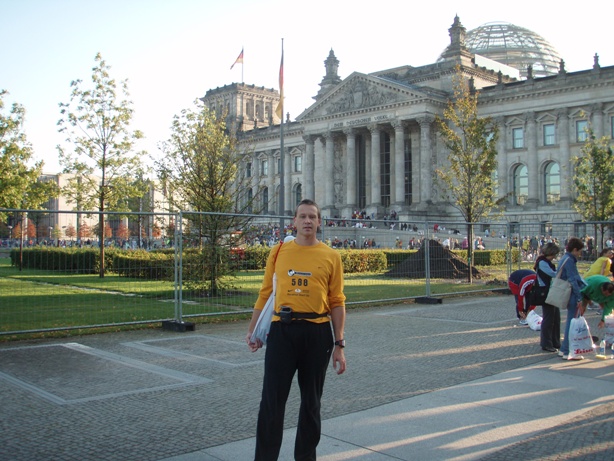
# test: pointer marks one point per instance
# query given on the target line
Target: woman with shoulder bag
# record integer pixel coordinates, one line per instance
(550, 336)
(569, 272)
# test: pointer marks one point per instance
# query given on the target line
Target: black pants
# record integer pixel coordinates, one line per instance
(301, 346)
(551, 327)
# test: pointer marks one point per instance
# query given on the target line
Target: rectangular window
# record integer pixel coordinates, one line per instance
(612, 127)
(248, 169)
(279, 165)
(581, 127)
(518, 138)
(298, 164)
(549, 134)
(264, 167)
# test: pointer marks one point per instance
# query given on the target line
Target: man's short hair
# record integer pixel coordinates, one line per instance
(311, 203)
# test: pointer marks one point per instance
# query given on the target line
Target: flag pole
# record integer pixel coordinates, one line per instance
(282, 192)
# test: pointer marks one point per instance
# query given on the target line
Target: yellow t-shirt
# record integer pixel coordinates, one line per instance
(596, 267)
(309, 279)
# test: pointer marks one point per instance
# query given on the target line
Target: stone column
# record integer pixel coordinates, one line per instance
(329, 183)
(398, 175)
(309, 168)
(375, 166)
(271, 183)
(502, 166)
(564, 156)
(532, 160)
(254, 181)
(351, 168)
(288, 203)
(426, 155)
(597, 113)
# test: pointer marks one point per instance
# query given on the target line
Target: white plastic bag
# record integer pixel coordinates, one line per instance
(534, 320)
(263, 324)
(580, 339)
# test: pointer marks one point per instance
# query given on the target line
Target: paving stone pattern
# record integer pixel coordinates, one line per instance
(152, 394)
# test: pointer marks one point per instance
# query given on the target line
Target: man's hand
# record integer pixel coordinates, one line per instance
(338, 360)
(253, 346)
(581, 307)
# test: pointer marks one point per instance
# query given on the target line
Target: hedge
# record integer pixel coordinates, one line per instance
(159, 264)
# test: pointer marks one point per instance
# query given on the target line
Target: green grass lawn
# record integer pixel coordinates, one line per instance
(41, 300)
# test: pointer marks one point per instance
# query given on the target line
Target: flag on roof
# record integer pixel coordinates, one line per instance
(239, 59)
(280, 107)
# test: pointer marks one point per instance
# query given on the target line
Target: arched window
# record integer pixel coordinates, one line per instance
(521, 185)
(552, 182)
(250, 197)
(265, 200)
(298, 194)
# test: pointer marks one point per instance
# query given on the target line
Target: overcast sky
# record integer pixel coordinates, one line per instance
(172, 52)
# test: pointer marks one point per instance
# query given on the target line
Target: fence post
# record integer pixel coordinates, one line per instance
(177, 324)
(427, 299)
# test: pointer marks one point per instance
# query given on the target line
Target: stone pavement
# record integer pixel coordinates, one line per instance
(457, 380)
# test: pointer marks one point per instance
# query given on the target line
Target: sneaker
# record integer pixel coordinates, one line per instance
(575, 357)
(523, 322)
(561, 354)
(549, 349)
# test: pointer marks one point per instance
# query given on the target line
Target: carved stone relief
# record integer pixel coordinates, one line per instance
(360, 93)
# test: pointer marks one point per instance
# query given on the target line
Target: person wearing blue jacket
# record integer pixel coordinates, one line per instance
(569, 271)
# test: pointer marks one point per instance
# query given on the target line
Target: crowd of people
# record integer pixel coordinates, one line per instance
(590, 290)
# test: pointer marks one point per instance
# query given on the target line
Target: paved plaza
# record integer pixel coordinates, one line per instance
(452, 381)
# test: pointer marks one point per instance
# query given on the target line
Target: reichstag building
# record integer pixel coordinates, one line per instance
(369, 144)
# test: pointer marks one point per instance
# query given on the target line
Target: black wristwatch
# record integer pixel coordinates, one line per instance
(340, 343)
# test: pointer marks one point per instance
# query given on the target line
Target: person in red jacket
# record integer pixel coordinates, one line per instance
(520, 283)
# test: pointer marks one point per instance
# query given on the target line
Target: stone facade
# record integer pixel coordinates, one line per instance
(369, 141)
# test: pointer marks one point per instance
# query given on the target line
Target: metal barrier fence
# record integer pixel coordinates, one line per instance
(176, 267)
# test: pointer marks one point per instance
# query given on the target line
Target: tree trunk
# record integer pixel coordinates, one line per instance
(470, 252)
(101, 237)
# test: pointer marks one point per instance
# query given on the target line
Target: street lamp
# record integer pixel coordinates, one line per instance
(50, 229)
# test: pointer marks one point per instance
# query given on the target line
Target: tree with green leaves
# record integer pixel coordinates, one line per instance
(468, 181)
(593, 182)
(99, 154)
(20, 184)
(200, 172)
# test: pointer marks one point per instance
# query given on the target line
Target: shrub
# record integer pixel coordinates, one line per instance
(145, 265)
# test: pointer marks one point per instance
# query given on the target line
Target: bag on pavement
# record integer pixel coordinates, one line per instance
(580, 339)
(560, 290)
(534, 320)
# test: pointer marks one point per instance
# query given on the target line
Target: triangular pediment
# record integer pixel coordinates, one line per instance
(359, 92)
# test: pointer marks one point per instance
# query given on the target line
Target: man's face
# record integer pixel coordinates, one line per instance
(306, 220)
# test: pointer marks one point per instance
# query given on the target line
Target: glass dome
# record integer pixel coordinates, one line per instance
(514, 46)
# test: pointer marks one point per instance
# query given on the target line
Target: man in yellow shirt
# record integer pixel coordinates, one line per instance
(309, 295)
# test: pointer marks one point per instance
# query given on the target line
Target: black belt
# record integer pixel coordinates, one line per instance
(304, 315)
